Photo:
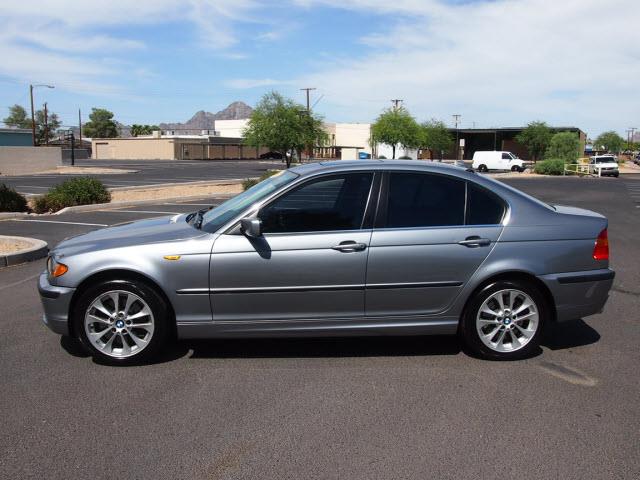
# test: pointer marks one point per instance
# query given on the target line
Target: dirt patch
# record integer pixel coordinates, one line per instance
(66, 170)
(175, 191)
(9, 245)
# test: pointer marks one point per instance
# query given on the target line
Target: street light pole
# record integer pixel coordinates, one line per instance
(456, 117)
(33, 115)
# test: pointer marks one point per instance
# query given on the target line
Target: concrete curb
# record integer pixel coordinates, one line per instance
(128, 203)
(37, 250)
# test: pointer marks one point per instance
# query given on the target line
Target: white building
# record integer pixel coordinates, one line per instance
(231, 128)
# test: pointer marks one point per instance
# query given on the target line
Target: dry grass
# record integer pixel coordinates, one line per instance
(175, 191)
(11, 245)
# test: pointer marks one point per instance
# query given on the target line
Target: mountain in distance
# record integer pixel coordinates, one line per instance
(206, 120)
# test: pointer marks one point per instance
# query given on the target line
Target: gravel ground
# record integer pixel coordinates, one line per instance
(11, 245)
(175, 192)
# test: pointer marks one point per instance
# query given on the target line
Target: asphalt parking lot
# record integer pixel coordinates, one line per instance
(329, 408)
(148, 173)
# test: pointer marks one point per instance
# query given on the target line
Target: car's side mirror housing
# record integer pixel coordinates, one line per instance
(251, 227)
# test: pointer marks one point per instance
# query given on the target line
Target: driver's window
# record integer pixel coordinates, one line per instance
(334, 202)
(506, 156)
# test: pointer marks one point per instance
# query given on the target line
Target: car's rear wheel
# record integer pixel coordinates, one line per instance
(121, 322)
(483, 168)
(504, 320)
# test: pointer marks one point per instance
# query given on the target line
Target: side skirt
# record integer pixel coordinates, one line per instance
(367, 326)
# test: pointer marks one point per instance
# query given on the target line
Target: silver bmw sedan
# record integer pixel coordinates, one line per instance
(334, 249)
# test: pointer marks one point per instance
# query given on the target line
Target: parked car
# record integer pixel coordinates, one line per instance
(497, 160)
(271, 156)
(637, 159)
(364, 155)
(605, 165)
(363, 247)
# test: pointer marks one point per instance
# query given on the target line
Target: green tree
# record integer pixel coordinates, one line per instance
(535, 138)
(45, 133)
(283, 126)
(100, 124)
(17, 117)
(610, 141)
(564, 146)
(143, 129)
(435, 137)
(396, 126)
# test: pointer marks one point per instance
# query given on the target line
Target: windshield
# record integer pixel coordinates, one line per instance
(603, 160)
(217, 217)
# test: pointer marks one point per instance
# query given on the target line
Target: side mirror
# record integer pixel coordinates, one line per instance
(251, 227)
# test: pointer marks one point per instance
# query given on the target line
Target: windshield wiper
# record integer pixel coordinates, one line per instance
(198, 217)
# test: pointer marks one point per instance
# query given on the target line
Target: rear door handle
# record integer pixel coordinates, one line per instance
(349, 246)
(475, 242)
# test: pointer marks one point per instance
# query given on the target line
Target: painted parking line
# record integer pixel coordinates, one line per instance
(58, 221)
(139, 211)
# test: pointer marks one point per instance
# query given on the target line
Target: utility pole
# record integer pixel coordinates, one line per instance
(46, 125)
(396, 102)
(80, 127)
(308, 89)
(456, 118)
(33, 116)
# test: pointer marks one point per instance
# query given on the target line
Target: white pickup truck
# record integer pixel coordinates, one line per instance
(497, 160)
(605, 165)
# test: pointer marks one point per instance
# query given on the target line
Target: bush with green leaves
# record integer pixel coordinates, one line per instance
(381, 157)
(250, 182)
(551, 166)
(11, 201)
(564, 146)
(76, 191)
(405, 157)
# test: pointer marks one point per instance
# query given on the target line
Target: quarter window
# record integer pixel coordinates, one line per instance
(335, 202)
(424, 200)
(483, 207)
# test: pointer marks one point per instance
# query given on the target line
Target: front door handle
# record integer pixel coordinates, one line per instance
(349, 246)
(474, 241)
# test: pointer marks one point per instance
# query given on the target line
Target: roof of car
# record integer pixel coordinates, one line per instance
(336, 165)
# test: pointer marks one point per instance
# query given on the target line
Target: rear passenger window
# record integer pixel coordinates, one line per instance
(484, 207)
(424, 200)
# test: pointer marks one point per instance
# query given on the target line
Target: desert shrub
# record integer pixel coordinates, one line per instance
(552, 166)
(382, 157)
(405, 157)
(250, 182)
(11, 201)
(76, 191)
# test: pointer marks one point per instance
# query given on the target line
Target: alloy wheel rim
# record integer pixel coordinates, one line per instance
(119, 324)
(507, 320)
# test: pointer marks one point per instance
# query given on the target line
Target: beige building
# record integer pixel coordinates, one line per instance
(158, 147)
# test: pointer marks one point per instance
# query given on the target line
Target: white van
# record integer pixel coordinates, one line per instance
(485, 161)
(605, 165)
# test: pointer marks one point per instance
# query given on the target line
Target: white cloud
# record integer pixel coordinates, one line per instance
(246, 83)
(497, 63)
(61, 41)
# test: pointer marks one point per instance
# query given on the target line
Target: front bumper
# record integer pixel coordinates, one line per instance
(579, 294)
(55, 303)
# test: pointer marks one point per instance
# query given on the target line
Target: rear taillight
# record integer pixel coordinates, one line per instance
(601, 249)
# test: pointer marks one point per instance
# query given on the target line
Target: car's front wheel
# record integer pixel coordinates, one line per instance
(504, 320)
(121, 322)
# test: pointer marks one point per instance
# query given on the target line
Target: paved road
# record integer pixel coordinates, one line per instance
(352, 408)
(149, 172)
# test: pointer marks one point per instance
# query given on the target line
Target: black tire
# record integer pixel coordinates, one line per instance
(156, 303)
(483, 168)
(515, 168)
(469, 331)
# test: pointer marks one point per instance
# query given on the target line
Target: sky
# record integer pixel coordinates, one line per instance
(497, 63)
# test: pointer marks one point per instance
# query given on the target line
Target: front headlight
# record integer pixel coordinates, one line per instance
(55, 268)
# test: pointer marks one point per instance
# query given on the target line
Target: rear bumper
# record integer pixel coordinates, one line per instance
(55, 303)
(579, 294)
